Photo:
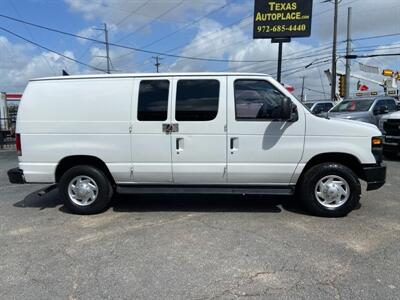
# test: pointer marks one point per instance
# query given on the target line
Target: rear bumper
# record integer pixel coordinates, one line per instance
(375, 176)
(16, 175)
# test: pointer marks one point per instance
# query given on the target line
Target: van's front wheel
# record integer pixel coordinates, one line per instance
(330, 190)
(85, 190)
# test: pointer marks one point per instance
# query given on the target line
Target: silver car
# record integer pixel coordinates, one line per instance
(369, 110)
(319, 107)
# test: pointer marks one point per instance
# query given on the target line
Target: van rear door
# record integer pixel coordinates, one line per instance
(198, 130)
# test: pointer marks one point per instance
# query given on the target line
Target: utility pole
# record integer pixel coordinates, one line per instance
(279, 71)
(335, 25)
(302, 90)
(348, 51)
(107, 48)
(157, 64)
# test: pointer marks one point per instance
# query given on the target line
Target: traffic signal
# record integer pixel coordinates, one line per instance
(342, 86)
(387, 72)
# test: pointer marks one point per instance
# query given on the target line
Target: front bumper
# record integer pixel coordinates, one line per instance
(375, 176)
(16, 175)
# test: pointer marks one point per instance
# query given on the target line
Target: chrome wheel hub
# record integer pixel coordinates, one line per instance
(82, 190)
(332, 191)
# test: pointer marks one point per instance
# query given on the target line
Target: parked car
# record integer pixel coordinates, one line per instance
(97, 135)
(318, 107)
(390, 127)
(368, 110)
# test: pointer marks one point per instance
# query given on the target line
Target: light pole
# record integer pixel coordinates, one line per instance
(348, 51)
(335, 21)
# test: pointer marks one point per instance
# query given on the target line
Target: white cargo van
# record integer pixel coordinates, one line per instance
(189, 133)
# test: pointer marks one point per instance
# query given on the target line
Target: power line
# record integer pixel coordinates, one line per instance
(187, 25)
(31, 35)
(134, 11)
(157, 52)
(201, 37)
(370, 55)
(198, 39)
(152, 21)
(375, 37)
(50, 50)
(128, 47)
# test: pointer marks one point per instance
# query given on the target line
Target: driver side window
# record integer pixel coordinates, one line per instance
(257, 100)
(379, 104)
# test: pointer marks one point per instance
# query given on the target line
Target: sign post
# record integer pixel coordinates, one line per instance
(280, 20)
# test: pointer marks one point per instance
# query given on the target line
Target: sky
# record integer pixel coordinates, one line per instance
(216, 29)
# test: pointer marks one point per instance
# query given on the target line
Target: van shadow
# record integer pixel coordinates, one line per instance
(201, 203)
(33, 200)
(174, 202)
(273, 133)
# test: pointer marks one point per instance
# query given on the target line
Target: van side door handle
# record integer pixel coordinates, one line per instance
(234, 144)
(179, 145)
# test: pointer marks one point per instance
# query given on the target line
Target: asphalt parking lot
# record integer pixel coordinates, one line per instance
(192, 247)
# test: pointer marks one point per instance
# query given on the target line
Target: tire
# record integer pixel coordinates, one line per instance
(85, 190)
(316, 196)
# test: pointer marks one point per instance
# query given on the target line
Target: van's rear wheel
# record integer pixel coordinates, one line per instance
(85, 190)
(330, 190)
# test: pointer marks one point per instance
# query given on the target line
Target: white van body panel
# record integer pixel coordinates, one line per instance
(199, 147)
(336, 136)
(57, 119)
(96, 115)
(151, 147)
(267, 152)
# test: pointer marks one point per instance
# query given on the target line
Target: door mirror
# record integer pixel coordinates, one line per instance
(384, 110)
(288, 110)
(381, 110)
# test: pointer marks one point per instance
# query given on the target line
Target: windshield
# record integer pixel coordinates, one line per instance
(309, 105)
(353, 106)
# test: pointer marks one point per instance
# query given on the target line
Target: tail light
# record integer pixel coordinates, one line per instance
(18, 144)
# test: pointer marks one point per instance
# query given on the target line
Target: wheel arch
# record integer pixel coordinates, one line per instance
(75, 160)
(345, 159)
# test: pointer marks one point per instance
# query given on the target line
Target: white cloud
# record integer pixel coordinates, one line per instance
(369, 17)
(19, 63)
(127, 14)
(89, 32)
(122, 60)
(212, 40)
(96, 33)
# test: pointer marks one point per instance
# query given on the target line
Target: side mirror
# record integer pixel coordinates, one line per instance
(288, 110)
(383, 110)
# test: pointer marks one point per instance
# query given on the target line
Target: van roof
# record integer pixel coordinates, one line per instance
(134, 75)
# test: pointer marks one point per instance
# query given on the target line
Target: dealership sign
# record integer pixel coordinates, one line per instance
(282, 18)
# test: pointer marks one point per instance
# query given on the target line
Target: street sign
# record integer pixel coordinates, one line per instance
(367, 94)
(282, 18)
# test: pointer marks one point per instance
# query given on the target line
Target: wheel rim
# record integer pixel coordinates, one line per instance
(332, 191)
(83, 190)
